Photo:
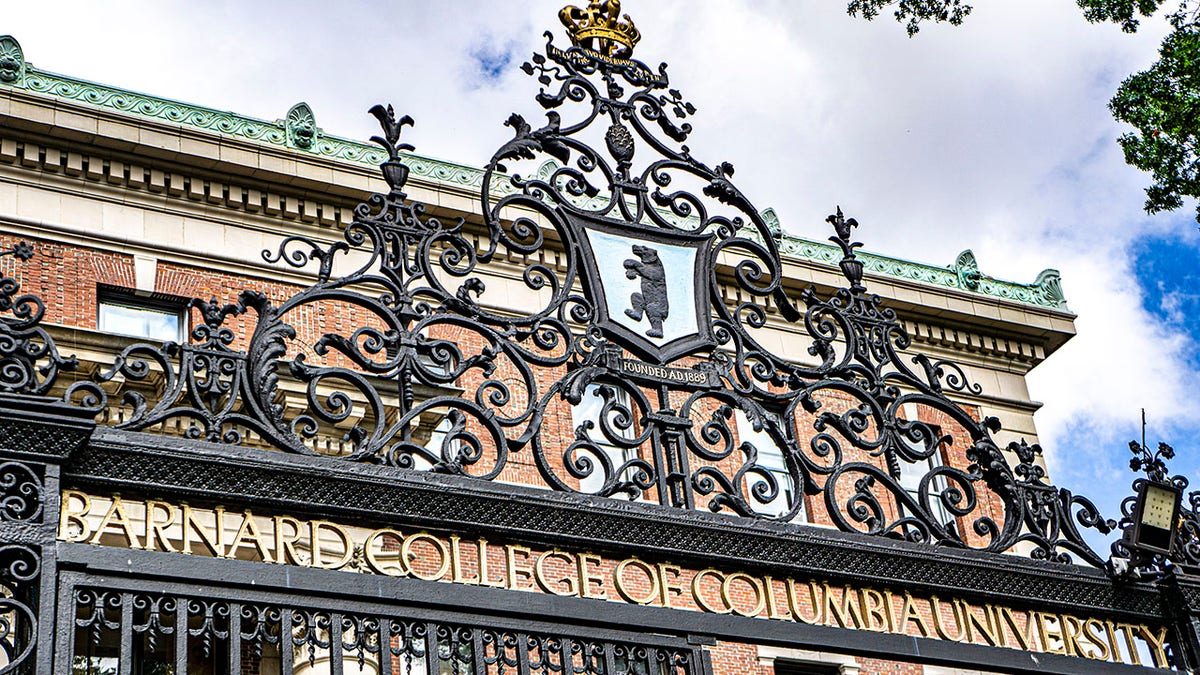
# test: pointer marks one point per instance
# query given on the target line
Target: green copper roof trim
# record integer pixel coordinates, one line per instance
(298, 132)
(1045, 291)
(20, 74)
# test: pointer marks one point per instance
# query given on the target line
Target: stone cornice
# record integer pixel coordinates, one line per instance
(1045, 291)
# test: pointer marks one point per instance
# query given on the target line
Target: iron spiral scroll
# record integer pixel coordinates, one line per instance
(690, 408)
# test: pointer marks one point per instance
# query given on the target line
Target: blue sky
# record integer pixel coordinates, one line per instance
(1166, 272)
(492, 60)
(992, 136)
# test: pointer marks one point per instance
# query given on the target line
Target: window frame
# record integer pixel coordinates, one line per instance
(934, 461)
(156, 303)
(617, 455)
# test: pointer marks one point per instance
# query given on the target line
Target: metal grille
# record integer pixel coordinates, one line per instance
(119, 632)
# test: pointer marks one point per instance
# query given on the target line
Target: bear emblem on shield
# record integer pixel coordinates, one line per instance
(651, 301)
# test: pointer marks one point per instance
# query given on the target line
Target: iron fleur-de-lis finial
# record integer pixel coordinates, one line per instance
(395, 172)
(842, 226)
(852, 268)
(391, 130)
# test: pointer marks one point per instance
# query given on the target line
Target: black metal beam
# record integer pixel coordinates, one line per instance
(145, 464)
(246, 581)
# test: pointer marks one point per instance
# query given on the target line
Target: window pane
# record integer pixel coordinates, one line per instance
(910, 480)
(590, 409)
(770, 457)
(144, 322)
(911, 474)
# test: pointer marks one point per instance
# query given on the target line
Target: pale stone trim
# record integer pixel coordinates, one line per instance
(942, 670)
(145, 272)
(847, 665)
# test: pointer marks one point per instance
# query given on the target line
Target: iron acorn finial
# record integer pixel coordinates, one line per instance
(620, 144)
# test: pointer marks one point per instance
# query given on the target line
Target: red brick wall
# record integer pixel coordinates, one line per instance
(66, 278)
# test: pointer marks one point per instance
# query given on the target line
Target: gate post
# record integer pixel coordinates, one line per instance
(37, 436)
(1180, 594)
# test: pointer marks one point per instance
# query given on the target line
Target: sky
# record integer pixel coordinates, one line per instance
(992, 136)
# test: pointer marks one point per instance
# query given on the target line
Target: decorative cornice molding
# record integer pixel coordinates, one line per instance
(278, 133)
(12, 60)
(301, 126)
(1045, 291)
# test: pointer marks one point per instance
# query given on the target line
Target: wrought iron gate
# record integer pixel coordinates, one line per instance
(136, 627)
(673, 372)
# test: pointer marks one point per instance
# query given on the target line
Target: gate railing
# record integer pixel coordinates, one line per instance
(130, 627)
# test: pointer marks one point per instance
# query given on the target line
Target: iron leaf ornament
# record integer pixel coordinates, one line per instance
(395, 172)
(627, 326)
(392, 128)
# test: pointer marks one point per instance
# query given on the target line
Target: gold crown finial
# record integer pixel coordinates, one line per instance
(597, 28)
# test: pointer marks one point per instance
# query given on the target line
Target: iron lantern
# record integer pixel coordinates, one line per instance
(1154, 517)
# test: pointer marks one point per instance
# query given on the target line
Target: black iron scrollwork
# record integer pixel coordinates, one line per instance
(20, 567)
(22, 500)
(467, 345)
(22, 495)
(30, 362)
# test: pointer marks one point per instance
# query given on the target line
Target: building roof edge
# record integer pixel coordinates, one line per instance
(1044, 291)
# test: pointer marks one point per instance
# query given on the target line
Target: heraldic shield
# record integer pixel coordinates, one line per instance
(649, 286)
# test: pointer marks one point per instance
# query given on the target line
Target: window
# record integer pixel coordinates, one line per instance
(912, 473)
(142, 317)
(910, 480)
(454, 421)
(589, 410)
(770, 457)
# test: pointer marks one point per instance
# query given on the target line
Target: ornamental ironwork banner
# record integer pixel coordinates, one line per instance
(287, 539)
(630, 366)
